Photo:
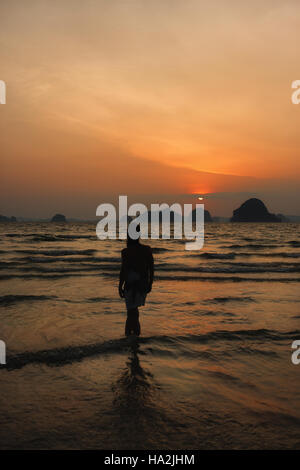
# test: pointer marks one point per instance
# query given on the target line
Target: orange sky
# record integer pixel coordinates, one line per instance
(148, 98)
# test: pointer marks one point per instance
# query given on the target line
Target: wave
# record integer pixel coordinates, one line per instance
(81, 268)
(159, 249)
(56, 252)
(295, 243)
(63, 274)
(102, 265)
(218, 255)
(222, 300)
(214, 313)
(230, 335)
(75, 237)
(254, 246)
(99, 299)
(65, 355)
(12, 299)
(224, 278)
(14, 235)
(5, 277)
(65, 255)
(234, 268)
(33, 236)
(270, 255)
(233, 255)
(43, 237)
(53, 275)
(7, 300)
(69, 354)
(69, 259)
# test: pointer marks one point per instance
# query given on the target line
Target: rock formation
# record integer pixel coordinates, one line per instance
(58, 218)
(207, 216)
(3, 218)
(253, 210)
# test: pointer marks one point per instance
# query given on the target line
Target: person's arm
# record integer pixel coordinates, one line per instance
(151, 270)
(122, 279)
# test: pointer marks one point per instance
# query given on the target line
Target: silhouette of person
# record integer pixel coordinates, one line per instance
(136, 278)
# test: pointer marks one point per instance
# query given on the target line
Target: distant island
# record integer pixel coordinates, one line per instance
(207, 216)
(159, 216)
(3, 218)
(283, 218)
(253, 210)
(59, 218)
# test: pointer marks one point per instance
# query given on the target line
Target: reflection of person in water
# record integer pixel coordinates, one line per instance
(136, 277)
(135, 404)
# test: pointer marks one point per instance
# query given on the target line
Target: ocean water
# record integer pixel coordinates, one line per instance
(211, 370)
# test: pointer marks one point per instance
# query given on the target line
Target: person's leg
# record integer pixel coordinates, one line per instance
(137, 326)
(132, 325)
(127, 326)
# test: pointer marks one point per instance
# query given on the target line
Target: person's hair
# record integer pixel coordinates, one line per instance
(132, 241)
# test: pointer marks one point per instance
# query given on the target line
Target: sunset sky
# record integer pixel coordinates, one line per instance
(154, 99)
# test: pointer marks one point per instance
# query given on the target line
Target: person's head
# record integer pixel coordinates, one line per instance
(132, 241)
